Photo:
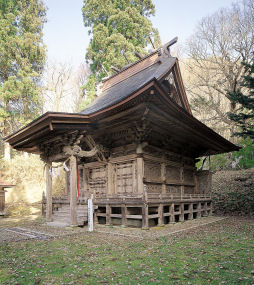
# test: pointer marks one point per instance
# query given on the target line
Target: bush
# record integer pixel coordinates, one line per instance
(17, 209)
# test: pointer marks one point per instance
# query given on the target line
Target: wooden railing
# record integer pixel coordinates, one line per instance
(150, 196)
(160, 196)
(128, 198)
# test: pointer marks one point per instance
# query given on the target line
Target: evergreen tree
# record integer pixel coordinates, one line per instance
(22, 56)
(116, 26)
(243, 100)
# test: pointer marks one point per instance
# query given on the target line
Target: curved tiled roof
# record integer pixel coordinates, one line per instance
(127, 87)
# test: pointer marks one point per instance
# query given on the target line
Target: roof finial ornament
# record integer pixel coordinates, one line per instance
(169, 44)
(123, 53)
(151, 42)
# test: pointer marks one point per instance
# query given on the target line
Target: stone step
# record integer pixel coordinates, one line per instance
(62, 215)
(67, 220)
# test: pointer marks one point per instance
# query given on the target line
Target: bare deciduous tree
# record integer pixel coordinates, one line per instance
(81, 78)
(63, 87)
(221, 42)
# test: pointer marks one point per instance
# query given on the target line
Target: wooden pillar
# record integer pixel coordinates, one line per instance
(210, 211)
(123, 210)
(48, 193)
(199, 210)
(191, 211)
(73, 191)
(95, 218)
(172, 213)
(145, 222)
(181, 218)
(161, 216)
(205, 209)
(108, 215)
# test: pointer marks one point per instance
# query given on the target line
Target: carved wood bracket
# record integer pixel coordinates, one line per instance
(77, 151)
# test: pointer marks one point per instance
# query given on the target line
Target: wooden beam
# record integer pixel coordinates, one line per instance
(48, 193)
(73, 191)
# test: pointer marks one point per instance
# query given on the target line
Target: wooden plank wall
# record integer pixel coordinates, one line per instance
(123, 175)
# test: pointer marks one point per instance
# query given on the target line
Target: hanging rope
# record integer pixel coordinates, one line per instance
(62, 164)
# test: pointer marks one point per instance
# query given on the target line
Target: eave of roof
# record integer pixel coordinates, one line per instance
(195, 124)
(198, 127)
(4, 184)
(117, 94)
(45, 121)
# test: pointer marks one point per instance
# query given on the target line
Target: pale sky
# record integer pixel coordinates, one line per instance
(67, 38)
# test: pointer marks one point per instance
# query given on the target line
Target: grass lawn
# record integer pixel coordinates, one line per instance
(220, 253)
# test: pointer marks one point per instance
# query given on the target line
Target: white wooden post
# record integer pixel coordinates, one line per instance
(90, 214)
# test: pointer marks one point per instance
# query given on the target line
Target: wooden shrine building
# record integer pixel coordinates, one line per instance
(135, 146)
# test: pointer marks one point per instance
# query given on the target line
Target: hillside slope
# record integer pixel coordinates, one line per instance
(233, 192)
